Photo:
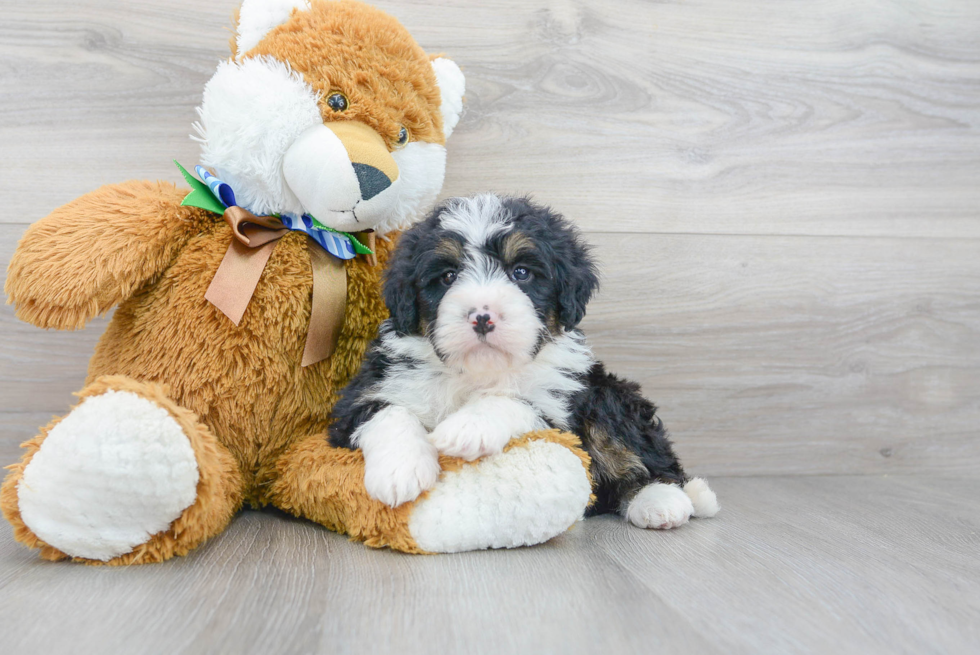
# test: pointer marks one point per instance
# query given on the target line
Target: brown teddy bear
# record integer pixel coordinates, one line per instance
(245, 305)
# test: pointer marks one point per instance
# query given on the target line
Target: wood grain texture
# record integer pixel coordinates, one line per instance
(800, 564)
(799, 355)
(830, 117)
(766, 354)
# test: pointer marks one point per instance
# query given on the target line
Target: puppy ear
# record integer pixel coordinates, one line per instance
(400, 292)
(577, 273)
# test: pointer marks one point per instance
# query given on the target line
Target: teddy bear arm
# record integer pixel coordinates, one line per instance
(94, 252)
(534, 490)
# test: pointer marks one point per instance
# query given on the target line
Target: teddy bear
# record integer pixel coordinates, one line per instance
(246, 304)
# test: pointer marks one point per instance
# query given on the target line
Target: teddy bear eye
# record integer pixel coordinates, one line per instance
(337, 102)
(402, 136)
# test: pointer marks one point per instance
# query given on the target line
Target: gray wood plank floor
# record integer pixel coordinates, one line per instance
(818, 564)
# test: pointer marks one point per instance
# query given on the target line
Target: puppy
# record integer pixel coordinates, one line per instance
(482, 346)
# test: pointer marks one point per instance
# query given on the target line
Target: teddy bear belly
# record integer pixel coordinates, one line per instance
(245, 381)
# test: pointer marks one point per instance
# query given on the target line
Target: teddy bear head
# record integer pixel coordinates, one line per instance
(329, 108)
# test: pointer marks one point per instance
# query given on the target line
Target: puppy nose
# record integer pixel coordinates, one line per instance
(483, 322)
(371, 180)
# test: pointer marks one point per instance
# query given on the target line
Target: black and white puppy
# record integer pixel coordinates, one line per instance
(482, 346)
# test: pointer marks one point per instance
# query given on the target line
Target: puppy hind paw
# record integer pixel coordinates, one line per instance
(660, 506)
(702, 497)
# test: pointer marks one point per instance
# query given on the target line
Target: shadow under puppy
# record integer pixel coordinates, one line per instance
(482, 346)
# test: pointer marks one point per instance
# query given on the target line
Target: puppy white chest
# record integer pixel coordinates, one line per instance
(419, 381)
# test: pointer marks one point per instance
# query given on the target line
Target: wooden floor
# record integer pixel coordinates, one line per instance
(785, 198)
(817, 564)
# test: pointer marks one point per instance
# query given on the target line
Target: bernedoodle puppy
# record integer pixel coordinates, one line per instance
(482, 346)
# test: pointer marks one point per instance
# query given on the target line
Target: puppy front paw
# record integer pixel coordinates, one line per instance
(401, 475)
(484, 426)
(399, 463)
(469, 435)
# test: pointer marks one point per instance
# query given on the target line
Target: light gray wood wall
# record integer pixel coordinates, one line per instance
(785, 196)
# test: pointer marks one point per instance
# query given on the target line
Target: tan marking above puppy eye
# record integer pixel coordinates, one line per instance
(450, 248)
(514, 245)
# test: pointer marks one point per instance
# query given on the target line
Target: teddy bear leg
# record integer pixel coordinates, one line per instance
(127, 476)
(533, 491)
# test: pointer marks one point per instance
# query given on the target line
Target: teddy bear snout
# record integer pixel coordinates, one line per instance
(335, 168)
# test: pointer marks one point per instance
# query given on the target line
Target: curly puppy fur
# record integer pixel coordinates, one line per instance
(485, 296)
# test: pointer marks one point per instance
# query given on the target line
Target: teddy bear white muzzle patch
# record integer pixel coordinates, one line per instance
(343, 175)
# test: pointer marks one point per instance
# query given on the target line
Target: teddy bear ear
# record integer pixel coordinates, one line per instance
(257, 18)
(452, 85)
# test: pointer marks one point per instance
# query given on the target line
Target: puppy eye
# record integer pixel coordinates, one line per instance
(448, 278)
(521, 274)
(337, 102)
(402, 137)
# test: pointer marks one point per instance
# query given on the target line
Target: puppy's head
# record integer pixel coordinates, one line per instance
(489, 279)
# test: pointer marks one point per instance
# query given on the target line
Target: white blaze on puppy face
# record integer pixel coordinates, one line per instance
(516, 326)
(475, 219)
(484, 292)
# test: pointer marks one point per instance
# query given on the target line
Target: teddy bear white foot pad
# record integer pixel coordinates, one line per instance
(114, 472)
(660, 506)
(520, 497)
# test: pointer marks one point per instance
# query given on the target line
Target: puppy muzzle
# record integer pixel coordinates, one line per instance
(483, 321)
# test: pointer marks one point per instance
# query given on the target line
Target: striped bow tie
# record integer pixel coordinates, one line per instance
(341, 245)
(253, 240)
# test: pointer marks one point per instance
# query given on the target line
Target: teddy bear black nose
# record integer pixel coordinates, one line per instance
(371, 180)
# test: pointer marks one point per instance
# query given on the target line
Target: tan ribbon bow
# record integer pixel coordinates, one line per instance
(240, 270)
